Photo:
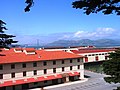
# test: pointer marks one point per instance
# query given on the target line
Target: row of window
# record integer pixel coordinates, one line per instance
(35, 72)
(35, 64)
(97, 54)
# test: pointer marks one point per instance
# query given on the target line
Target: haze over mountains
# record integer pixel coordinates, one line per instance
(86, 42)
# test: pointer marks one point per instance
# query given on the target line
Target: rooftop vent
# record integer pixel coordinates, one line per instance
(18, 49)
(29, 51)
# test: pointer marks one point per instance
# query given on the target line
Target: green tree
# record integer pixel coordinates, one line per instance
(90, 6)
(95, 6)
(112, 68)
(5, 39)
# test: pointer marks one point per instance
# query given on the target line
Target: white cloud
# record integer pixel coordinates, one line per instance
(98, 33)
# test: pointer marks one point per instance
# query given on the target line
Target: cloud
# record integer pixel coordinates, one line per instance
(97, 34)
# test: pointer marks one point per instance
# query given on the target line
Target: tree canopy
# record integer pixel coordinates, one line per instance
(95, 6)
(5, 39)
(90, 6)
(112, 67)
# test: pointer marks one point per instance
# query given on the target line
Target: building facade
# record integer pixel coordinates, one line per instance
(21, 69)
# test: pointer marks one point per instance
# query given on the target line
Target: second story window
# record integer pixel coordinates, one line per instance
(45, 71)
(54, 70)
(63, 68)
(54, 62)
(35, 72)
(70, 67)
(12, 75)
(44, 63)
(24, 73)
(70, 60)
(1, 76)
(35, 64)
(12, 66)
(24, 65)
(78, 66)
(1, 67)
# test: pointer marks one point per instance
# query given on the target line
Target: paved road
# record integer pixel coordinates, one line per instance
(95, 82)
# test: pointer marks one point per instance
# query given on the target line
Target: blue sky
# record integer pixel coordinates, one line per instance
(50, 20)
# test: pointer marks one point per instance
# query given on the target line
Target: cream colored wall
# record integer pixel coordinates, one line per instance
(40, 67)
(92, 58)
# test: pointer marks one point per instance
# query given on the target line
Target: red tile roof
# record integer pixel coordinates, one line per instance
(29, 80)
(9, 56)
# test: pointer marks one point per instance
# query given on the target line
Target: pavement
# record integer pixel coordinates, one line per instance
(95, 82)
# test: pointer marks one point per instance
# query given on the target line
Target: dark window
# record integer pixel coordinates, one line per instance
(89, 55)
(63, 68)
(24, 65)
(24, 73)
(54, 70)
(70, 67)
(35, 83)
(1, 67)
(102, 53)
(35, 64)
(54, 62)
(44, 63)
(78, 60)
(63, 62)
(35, 72)
(45, 81)
(78, 66)
(12, 75)
(12, 66)
(70, 60)
(45, 71)
(92, 54)
(1, 76)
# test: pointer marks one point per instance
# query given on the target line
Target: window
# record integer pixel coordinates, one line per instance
(44, 63)
(54, 70)
(63, 62)
(12, 75)
(35, 72)
(92, 54)
(63, 68)
(78, 66)
(78, 60)
(54, 62)
(35, 64)
(24, 65)
(1, 67)
(35, 83)
(70, 67)
(102, 53)
(70, 60)
(45, 71)
(24, 73)
(12, 66)
(45, 81)
(1, 76)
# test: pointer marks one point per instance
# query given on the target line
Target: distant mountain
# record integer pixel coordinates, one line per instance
(86, 42)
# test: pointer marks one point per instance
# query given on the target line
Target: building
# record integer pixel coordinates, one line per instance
(23, 68)
(90, 53)
(94, 54)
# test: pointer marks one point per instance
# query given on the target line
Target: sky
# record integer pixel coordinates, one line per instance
(51, 20)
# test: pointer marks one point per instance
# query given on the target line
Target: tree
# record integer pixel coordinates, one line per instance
(95, 6)
(5, 40)
(112, 68)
